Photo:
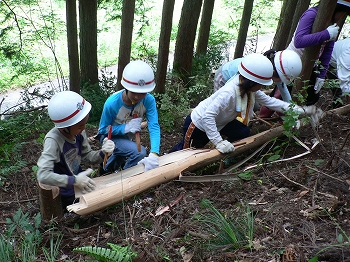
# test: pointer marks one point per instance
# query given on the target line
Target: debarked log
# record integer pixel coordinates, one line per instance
(116, 187)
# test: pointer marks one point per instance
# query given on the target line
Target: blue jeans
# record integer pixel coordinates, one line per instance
(125, 154)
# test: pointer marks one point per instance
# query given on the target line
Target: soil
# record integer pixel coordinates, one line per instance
(300, 206)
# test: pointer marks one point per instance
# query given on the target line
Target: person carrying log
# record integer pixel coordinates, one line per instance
(66, 145)
(227, 112)
(124, 111)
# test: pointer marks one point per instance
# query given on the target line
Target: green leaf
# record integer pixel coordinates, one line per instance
(318, 162)
(340, 238)
(273, 158)
(245, 175)
(314, 259)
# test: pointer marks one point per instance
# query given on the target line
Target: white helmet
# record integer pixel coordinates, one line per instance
(288, 65)
(257, 68)
(344, 2)
(138, 77)
(67, 108)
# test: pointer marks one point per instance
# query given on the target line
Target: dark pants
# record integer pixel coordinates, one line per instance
(312, 98)
(234, 130)
(337, 92)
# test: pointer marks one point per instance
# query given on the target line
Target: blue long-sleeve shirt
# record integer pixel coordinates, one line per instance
(117, 114)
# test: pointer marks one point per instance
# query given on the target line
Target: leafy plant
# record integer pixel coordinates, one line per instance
(114, 254)
(21, 239)
(52, 253)
(224, 231)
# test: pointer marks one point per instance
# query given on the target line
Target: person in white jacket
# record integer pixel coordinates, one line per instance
(340, 69)
(227, 112)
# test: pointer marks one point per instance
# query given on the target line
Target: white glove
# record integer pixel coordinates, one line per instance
(150, 162)
(305, 110)
(225, 146)
(133, 126)
(333, 31)
(85, 183)
(318, 85)
(108, 146)
(315, 118)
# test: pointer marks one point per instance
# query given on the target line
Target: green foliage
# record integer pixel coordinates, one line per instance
(52, 252)
(21, 239)
(247, 175)
(172, 106)
(290, 119)
(226, 232)
(14, 130)
(97, 96)
(114, 254)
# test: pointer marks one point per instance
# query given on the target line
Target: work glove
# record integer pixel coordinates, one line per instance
(333, 31)
(315, 118)
(133, 126)
(150, 162)
(108, 146)
(318, 85)
(225, 146)
(85, 183)
(305, 110)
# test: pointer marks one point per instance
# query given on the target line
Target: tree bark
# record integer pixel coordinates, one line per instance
(185, 39)
(88, 41)
(125, 38)
(280, 40)
(204, 29)
(50, 201)
(300, 8)
(243, 28)
(72, 44)
(164, 43)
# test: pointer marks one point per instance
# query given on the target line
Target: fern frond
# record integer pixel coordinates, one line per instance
(106, 254)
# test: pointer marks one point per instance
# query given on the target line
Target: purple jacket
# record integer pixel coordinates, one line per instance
(304, 38)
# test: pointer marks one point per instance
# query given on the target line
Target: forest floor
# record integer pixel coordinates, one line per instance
(300, 206)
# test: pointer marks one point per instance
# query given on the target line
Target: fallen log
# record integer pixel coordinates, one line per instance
(116, 187)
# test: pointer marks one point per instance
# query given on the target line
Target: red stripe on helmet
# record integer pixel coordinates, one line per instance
(136, 83)
(281, 64)
(253, 74)
(70, 116)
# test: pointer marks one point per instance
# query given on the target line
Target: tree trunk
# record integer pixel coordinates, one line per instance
(185, 39)
(300, 8)
(125, 38)
(72, 44)
(88, 41)
(283, 28)
(243, 28)
(50, 201)
(204, 29)
(164, 43)
(310, 55)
